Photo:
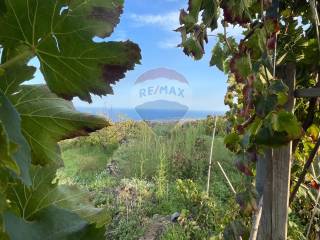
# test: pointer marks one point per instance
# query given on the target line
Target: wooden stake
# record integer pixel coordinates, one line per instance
(256, 221)
(226, 177)
(211, 152)
(313, 214)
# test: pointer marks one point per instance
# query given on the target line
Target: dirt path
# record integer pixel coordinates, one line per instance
(156, 228)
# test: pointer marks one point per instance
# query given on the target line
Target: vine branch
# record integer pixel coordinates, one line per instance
(304, 171)
(314, 211)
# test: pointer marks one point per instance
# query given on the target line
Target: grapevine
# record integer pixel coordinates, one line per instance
(278, 36)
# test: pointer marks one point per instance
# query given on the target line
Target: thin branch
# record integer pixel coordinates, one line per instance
(248, 121)
(313, 6)
(304, 171)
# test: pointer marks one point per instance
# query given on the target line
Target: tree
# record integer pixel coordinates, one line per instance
(33, 118)
(278, 55)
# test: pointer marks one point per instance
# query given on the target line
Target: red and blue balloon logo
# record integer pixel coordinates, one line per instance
(161, 95)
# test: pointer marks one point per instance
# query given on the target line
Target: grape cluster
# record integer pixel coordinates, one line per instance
(234, 69)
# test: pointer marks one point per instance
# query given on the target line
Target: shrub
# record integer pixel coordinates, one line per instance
(175, 232)
(123, 228)
(198, 218)
(220, 128)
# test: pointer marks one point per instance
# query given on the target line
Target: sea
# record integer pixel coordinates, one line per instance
(123, 114)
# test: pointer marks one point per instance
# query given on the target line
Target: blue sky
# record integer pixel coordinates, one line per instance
(150, 24)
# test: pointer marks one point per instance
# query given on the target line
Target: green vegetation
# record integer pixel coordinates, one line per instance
(138, 172)
(141, 173)
(123, 181)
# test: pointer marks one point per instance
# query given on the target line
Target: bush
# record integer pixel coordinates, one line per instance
(175, 232)
(130, 207)
(198, 218)
(123, 228)
(221, 129)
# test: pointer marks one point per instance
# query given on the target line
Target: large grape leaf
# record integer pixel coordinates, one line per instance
(14, 152)
(45, 192)
(284, 121)
(52, 223)
(194, 8)
(278, 128)
(193, 32)
(78, 201)
(60, 33)
(247, 201)
(47, 119)
(2, 7)
(221, 53)
(4, 184)
(46, 210)
(210, 13)
(15, 74)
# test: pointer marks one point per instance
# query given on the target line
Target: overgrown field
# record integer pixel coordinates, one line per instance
(152, 180)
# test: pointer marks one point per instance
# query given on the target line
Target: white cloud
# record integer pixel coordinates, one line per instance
(231, 31)
(169, 20)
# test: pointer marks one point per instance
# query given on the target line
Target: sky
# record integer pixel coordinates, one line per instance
(150, 24)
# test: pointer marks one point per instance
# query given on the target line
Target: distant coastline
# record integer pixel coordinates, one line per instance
(122, 114)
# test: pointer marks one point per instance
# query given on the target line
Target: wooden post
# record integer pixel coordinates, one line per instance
(265, 228)
(261, 174)
(307, 93)
(274, 221)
